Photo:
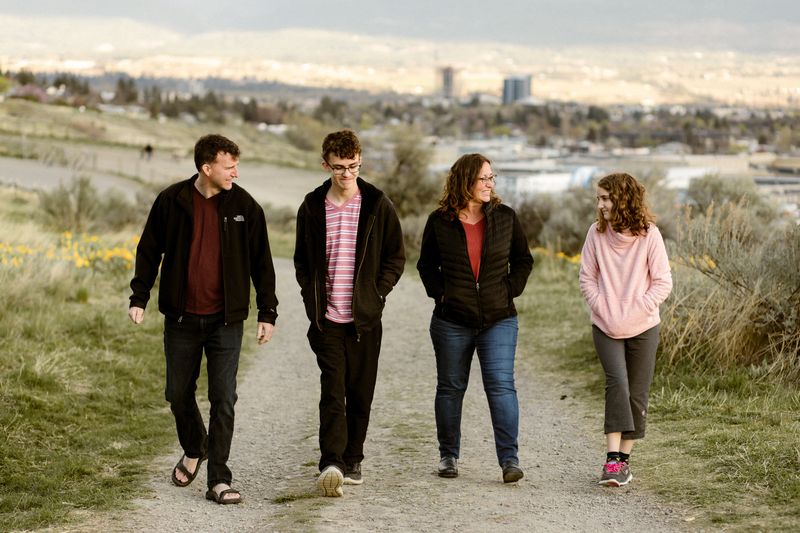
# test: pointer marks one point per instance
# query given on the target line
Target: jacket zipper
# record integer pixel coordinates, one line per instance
(316, 301)
(487, 230)
(358, 272)
(223, 239)
(182, 288)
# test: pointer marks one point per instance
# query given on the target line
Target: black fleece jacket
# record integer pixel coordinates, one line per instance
(446, 272)
(244, 246)
(380, 255)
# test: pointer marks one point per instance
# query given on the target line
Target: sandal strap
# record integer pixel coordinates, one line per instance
(219, 497)
(182, 467)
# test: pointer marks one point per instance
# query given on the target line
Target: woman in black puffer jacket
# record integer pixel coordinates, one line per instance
(473, 262)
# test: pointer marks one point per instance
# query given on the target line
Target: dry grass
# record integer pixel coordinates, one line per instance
(722, 441)
(736, 300)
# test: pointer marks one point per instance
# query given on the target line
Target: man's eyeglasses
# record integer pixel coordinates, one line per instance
(488, 179)
(339, 170)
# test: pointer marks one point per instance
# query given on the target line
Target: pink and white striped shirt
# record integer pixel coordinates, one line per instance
(341, 232)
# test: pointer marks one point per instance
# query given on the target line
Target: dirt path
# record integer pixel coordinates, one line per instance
(275, 450)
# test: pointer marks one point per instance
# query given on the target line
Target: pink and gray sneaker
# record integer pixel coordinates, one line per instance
(615, 474)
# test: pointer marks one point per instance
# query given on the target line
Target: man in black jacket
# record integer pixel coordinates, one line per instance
(348, 257)
(212, 236)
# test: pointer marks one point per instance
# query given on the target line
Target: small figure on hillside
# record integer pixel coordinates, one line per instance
(212, 237)
(147, 151)
(474, 261)
(624, 277)
(348, 256)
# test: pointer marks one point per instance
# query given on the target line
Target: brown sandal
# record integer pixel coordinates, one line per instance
(221, 499)
(189, 475)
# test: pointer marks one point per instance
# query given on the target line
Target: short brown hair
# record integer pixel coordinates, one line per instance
(342, 144)
(460, 181)
(629, 210)
(208, 146)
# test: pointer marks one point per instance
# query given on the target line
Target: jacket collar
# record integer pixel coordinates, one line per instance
(369, 196)
(187, 189)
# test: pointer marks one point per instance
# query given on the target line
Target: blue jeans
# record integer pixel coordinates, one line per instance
(496, 345)
(184, 343)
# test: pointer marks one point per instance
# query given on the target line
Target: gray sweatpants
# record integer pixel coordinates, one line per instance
(629, 365)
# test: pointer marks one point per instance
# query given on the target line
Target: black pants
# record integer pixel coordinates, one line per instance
(184, 343)
(348, 370)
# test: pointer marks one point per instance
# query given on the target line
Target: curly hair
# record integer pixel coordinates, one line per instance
(342, 144)
(208, 146)
(458, 187)
(629, 210)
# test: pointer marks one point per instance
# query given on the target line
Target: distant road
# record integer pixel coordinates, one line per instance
(124, 170)
(33, 175)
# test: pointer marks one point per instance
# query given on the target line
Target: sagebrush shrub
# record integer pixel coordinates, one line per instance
(737, 291)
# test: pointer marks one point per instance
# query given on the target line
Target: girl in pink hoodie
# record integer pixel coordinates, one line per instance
(624, 277)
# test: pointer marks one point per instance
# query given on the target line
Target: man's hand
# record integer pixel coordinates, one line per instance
(136, 314)
(264, 333)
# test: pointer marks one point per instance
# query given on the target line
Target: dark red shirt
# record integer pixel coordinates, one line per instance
(204, 290)
(475, 243)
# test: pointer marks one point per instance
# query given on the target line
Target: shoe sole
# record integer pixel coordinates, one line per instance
(330, 483)
(614, 482)
(513, 477)
(351, 481)
(448, 475)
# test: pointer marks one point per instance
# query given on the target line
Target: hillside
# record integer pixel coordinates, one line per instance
(31, 130)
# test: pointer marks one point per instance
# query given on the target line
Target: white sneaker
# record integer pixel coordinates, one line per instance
(330, 481)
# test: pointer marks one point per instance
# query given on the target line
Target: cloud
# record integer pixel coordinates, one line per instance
(718, 34)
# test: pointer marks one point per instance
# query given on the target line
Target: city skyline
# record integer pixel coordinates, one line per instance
(115, 39)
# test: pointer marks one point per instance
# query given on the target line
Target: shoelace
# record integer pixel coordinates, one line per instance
(613, 467)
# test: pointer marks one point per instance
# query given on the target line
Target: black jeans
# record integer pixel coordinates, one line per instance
(184, 343)
(348, 370)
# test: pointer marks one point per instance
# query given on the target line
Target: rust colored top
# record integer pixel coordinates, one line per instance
(204, 290)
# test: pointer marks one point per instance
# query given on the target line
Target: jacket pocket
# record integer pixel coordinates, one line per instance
(370, 304)
(309, 301)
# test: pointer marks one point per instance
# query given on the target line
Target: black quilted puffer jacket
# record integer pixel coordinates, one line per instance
(446, 271)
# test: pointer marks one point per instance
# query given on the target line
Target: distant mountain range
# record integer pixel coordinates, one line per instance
(334, 59)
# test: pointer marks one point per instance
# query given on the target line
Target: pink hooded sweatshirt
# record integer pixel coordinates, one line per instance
(624, 279)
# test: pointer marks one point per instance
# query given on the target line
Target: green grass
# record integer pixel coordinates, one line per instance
(724, 446)
(82, 395)
(288, 498)
(281, 243)
(83, 409)
(739, 447)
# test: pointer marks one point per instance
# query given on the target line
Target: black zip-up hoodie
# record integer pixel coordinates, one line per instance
(446, 272)
(244, 245)
(380, 255)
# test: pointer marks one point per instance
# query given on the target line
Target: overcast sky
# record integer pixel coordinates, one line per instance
(744, 25)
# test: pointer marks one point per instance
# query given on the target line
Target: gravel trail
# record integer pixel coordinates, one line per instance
(275, 449)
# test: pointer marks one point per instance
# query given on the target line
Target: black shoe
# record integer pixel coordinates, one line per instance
(352, 474)
(448, 467)
(512, 472)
